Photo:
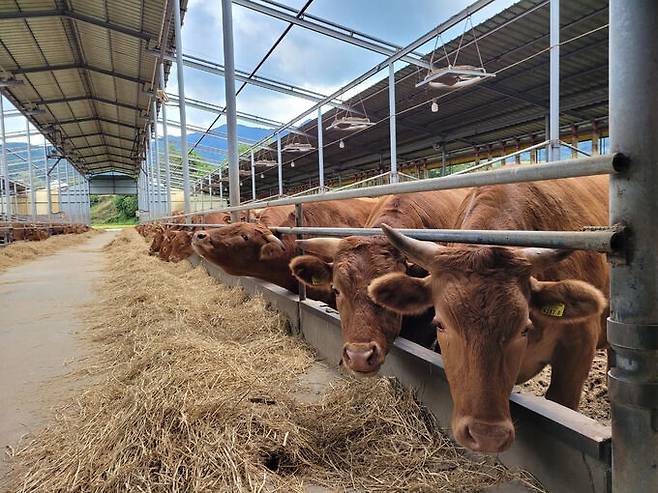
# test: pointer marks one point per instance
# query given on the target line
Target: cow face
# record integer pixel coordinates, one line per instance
(488, 307)
(181, 246)
(238, 248)
(165, 246)
(347, 267)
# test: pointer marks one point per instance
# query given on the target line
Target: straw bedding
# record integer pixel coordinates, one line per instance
(194, 390)
(594, 401)
(23, 251)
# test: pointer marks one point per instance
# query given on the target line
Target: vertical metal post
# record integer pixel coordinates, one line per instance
(391, 122)
(181, 106)
(165, 135)
(221, 188)
(596, 136)
(443, 159)
(633, 323)
(78, 189)
(67, 210)
(47, 177)
(279, 163)
(3, 158)
(33, 198)
(59, 189)
(253, 175)
(320, 153)
(210, 188)
(161, 207)
(554, 104)
(299, 222)
(148, 190)
(231, 108)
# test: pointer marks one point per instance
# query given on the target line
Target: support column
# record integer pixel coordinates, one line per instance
(554, 104)
(320, 154)
(78, 189)
(161, 206)
(165, 135)
(253, 175)
(391, 122)
(33, 198)
(231, 109)
(279, 162)
(210, 188)
(58, 175)
(633, 323)
(181, 105)
(596, 137)
(3, 159)
(49, 197)
(67, 210)
(221, 188)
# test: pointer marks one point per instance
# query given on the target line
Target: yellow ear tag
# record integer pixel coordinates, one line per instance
(554, 310)
(316, 281)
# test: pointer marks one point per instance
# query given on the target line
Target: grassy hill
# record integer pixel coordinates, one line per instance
(112, 210)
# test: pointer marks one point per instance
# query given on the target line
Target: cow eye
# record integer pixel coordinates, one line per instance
(528, 327)
(336, 292)
(244, 237)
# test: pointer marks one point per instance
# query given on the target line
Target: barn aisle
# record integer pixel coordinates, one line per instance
(39, 306)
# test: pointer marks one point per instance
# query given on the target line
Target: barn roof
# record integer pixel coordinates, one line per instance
(85, 64)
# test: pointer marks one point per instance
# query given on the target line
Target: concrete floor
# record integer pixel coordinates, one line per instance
(39, 317)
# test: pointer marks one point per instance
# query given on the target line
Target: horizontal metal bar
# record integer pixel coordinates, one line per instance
(333, 33)
(569, 168)
(603, 240)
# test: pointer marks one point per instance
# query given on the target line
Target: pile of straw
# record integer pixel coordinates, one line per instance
(195, 391)
(21, 252)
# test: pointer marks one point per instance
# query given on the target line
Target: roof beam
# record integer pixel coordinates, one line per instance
(81, 149)
(214, 68)
(323, 28)
(75, 99)
(95, 119)
(101, 134)
(77, 66)
(218, 110)
(69, 14)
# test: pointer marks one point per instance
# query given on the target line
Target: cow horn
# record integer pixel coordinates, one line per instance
(542, 258)
(420, 252)
(322, 247)
(273, 239)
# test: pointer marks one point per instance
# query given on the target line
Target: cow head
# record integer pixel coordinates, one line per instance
(165, 246)
(347, 267)
(488, 305)
(238, 248)
(181, 246)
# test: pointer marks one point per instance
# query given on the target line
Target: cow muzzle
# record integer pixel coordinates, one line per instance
(363, 359)
(484, 437)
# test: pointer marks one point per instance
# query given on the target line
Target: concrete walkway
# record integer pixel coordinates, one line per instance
(39, 318)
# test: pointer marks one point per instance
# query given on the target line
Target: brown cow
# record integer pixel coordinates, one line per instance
(503, 314)
(158, 237)
(165, 247)
(249, 249)
(273, 216)
(348, 265)
(180, 246)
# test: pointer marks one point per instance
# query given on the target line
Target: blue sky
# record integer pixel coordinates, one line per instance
(304, 58)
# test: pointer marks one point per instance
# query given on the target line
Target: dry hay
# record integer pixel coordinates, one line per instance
(594, 402)
(195, 392)
(21, 252)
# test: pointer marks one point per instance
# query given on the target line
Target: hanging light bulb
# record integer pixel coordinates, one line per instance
(341, 144)
(292, 164)
(435, 106)
(262, 175)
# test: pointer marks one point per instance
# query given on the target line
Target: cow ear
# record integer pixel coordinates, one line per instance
(401, 293)
(272, 249)
(415, 270)
(312, 271)
(565, 301)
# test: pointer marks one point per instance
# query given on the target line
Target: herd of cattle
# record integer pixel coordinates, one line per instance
(499, 314)
(18, 231)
